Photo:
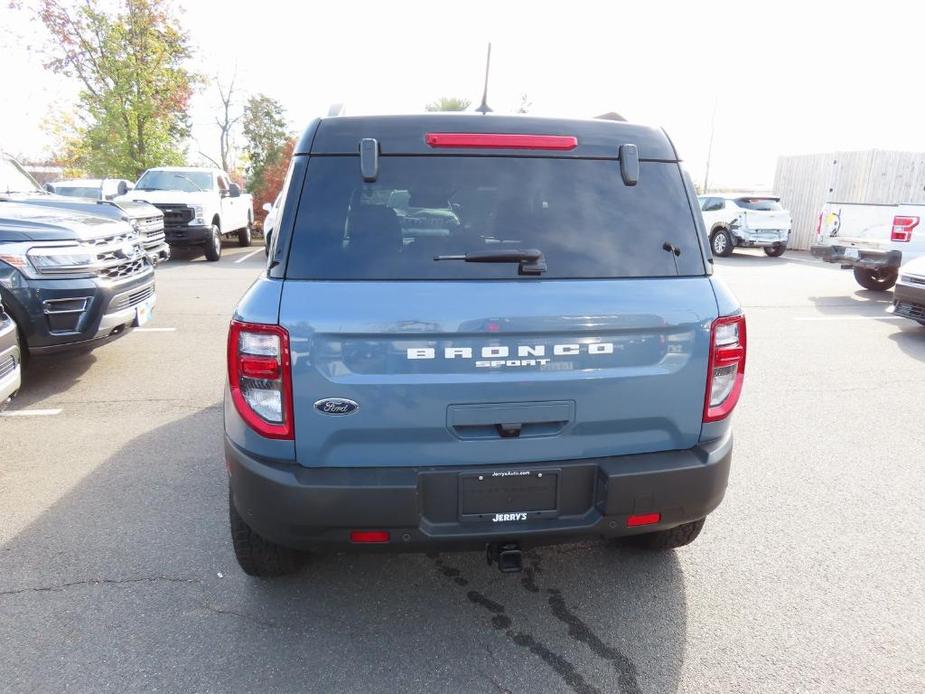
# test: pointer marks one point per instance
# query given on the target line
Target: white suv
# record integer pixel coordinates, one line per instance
(755, 221)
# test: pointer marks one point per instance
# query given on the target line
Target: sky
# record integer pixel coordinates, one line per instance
(781, 77)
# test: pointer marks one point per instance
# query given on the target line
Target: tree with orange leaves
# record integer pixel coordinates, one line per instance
(131, 64)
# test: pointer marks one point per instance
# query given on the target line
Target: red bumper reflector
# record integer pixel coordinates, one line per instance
(501, 141)
(369, 536)
(643, 519)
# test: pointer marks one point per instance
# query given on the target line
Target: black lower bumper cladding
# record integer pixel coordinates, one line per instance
(310, 508)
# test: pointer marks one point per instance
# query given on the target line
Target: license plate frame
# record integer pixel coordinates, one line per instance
(144, 312)
(509, 496)
(852, 253)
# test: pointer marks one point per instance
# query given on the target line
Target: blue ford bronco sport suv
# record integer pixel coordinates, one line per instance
(480, 332)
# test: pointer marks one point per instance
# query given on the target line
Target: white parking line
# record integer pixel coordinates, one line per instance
(249, 255)
(884, 317)
(30, 413)
(155, 330)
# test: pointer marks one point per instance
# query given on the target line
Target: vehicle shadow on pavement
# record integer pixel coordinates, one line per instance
(231, 252)
(48, 376)
(757, 258)
(128, 582)
(911, 339)
(862, 302)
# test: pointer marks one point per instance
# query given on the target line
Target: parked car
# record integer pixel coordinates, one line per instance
(18, 186)
(909, 294)
(560, 364)
(871, 239)
(753, 221)
(70, 280)
(270, 221)
(94, 188)
(200, 206)
(10, 358)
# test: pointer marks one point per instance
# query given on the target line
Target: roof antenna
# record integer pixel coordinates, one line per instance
(484, 107)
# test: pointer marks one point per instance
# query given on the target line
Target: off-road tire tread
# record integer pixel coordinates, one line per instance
(669, 539)
(257, 556)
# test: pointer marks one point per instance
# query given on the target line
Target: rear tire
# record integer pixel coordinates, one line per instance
(668, 539)
(721, 243)
(775, 251)
(256, 555)
(244, 235)
(876, 280)
(214, 245)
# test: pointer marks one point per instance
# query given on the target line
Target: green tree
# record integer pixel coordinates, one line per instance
(130, 61)
(265, 136)
(448, 103)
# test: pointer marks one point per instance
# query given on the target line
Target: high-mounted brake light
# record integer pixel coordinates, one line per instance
(726, 367)
(260, 377)
(501, 141)
(902, 228)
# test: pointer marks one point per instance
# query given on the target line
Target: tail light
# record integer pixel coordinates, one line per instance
(819, 225)
(260, 377)
(727, 367)
(902, 228)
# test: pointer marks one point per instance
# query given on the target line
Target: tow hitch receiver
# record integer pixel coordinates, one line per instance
(507, 555)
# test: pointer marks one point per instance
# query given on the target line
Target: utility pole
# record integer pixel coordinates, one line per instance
(706, 175)
(484, 107)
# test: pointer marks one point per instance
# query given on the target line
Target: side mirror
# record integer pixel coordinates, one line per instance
(49, 188)
(121, 188)
(267, 207)
(234, 190)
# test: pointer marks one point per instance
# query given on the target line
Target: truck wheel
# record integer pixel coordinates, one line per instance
(668, 539)
(721, 243)
(244, 235)
(257, 556)
(876, 280)
(214, 246)
(775, 251)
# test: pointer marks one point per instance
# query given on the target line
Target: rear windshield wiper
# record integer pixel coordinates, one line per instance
(532, 261)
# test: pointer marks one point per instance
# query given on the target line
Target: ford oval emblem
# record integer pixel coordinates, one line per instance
(336, 406)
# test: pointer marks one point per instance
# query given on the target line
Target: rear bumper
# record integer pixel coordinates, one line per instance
(188, 235)
(871, 259)
(909, 300)
(312, 508)
(760, 238)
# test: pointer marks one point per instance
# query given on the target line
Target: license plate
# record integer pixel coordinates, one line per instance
(144, 311)
(852, 253)
(504, 496)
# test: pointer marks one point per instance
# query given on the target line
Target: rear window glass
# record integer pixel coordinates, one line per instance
(759, 204)
(577, 212)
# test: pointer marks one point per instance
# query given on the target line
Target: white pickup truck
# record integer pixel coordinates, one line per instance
(200, 206)
(873, 240)
(751, 221)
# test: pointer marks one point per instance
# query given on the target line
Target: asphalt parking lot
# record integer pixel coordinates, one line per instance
(117, 574)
